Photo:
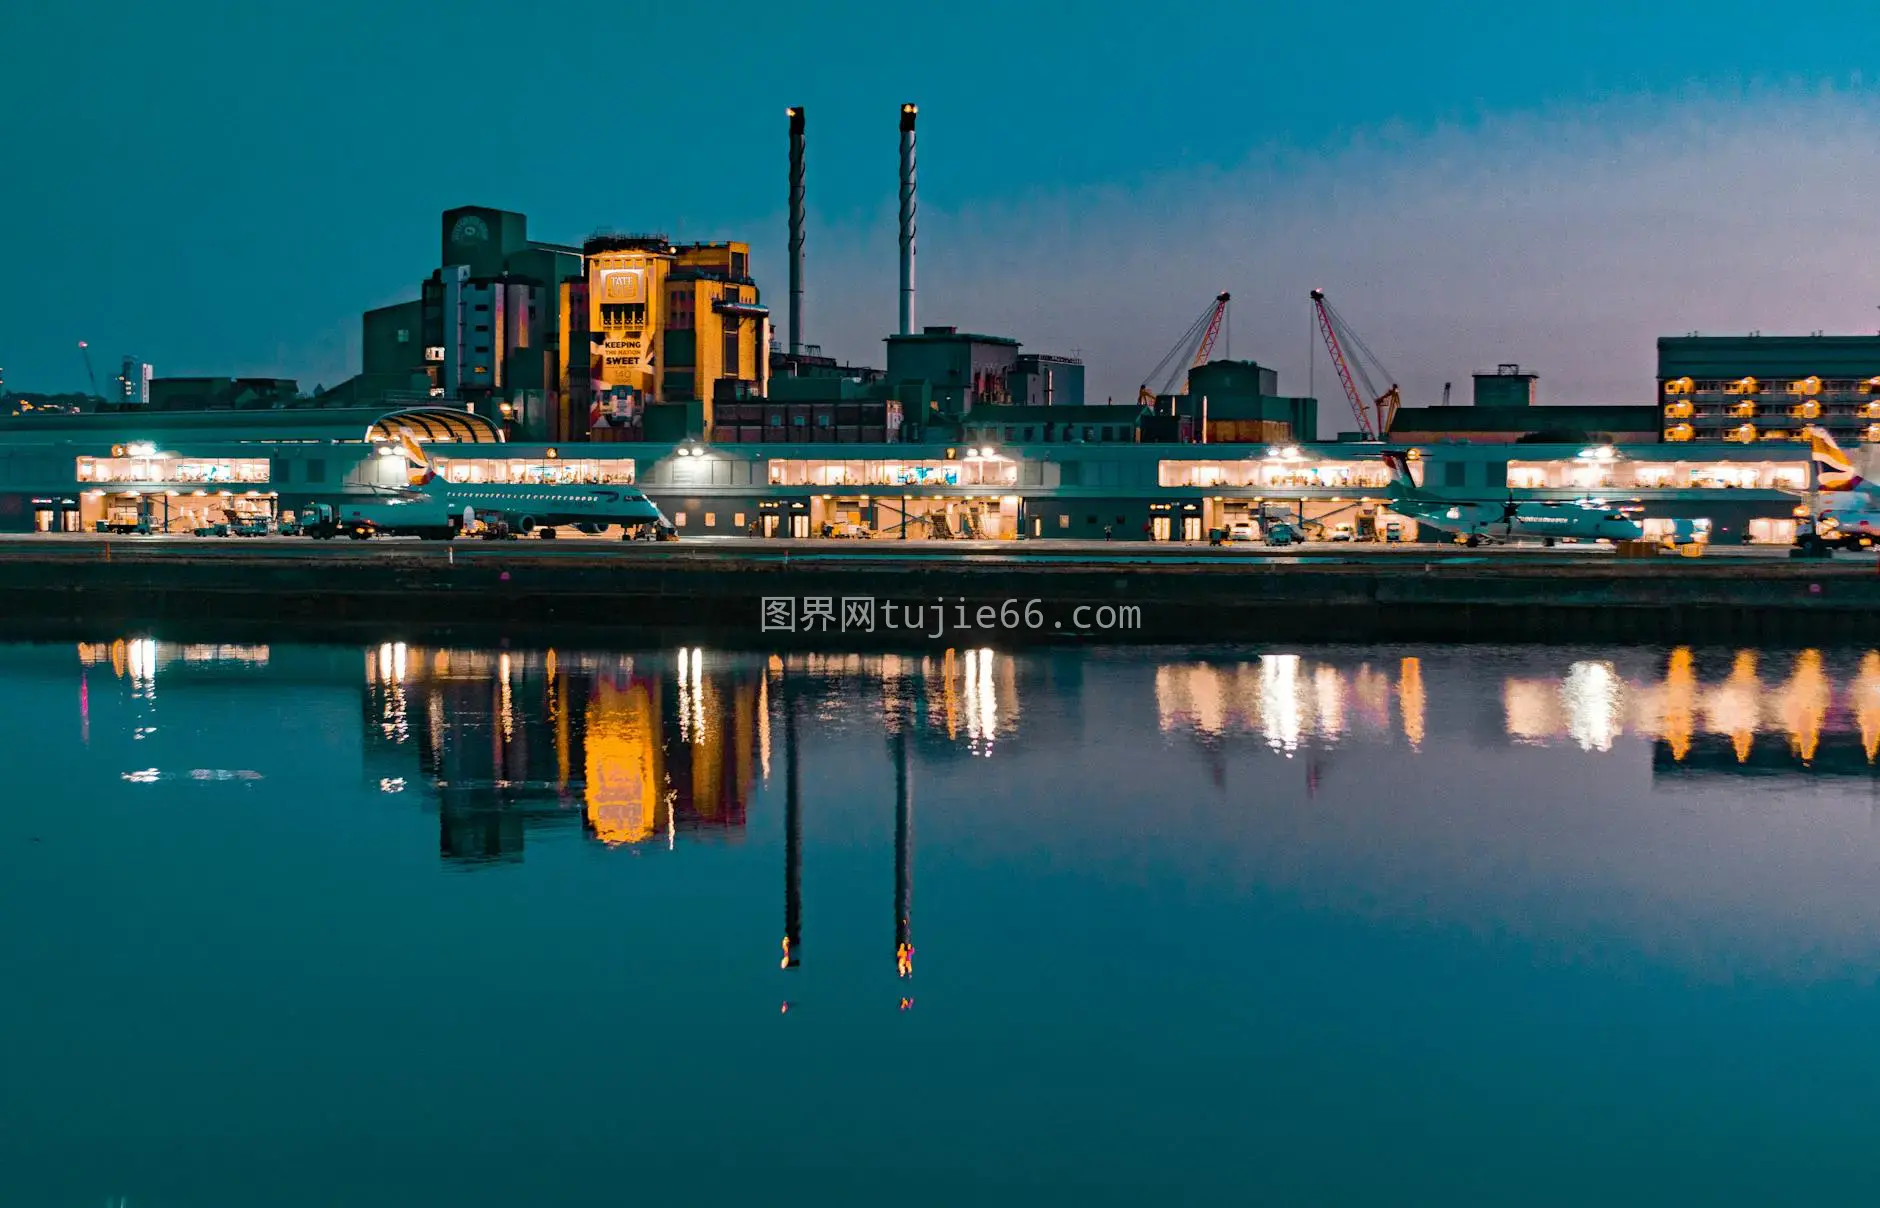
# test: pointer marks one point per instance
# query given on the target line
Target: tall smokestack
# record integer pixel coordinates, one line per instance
(796, 228)
(907, 218)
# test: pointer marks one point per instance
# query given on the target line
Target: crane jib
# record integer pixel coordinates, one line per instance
(1339, 337)
(1190, 352)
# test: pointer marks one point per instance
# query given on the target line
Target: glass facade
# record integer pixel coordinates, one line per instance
(968, 472)
(154, 468)
(1276, 472)
(1582, 473)
(535, 472)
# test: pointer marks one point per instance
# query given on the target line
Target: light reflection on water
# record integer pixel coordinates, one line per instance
(1255, 897)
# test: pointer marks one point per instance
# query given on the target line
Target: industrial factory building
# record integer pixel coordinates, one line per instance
(623, 336)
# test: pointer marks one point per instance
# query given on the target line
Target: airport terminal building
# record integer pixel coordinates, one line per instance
(180, 471)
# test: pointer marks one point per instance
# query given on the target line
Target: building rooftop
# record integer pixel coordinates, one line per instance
(1411, 421)
(954, 334)
(316, 425)
(626, 243)
(1768, 356)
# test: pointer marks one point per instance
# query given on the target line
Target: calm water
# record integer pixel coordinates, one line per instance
(404, 926)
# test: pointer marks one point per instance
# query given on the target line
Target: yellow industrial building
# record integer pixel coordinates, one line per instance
(663, 323)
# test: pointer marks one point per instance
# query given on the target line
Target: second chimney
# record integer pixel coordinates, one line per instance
(907, 218)
(796, 229)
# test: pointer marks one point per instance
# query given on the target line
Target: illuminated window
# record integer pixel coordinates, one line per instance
(737, 520)
(1589, 474)
(678, 520)
(1277, 470)
(970, 471)
(247, 470)
(576, 471)
(711, 519)
(1064, 521)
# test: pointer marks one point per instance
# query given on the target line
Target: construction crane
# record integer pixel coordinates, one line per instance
(1361, 360)
(85, 351)
(1190, 352)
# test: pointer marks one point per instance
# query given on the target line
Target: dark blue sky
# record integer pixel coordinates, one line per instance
(223, 187)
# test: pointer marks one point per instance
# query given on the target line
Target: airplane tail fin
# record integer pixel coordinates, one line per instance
(1834, 470)
(1401, 479)
(421, 471)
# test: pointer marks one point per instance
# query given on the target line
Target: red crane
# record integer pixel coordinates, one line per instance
(1190, 352)
(1337, 335)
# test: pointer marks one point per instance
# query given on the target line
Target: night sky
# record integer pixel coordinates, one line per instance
(223, 187)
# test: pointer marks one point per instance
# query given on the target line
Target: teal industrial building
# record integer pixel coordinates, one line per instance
(178, 470)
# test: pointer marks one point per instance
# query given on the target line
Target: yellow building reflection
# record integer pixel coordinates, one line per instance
(1804, 705)
(1866, 703)
(1679, 705)
(1410, 701)
(1734, 707)
(625, 787)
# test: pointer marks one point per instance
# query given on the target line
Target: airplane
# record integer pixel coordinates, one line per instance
(435, 505)
(1479, 522)
(1846, 511)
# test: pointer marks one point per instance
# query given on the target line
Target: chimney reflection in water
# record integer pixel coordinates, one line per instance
(792, 833)
(903, 856)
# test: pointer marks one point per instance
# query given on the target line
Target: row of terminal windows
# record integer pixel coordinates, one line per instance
(173, 469)
(1565, 473)
(1584, 473)
(1273, 472)
(998, 471)
(566, 472)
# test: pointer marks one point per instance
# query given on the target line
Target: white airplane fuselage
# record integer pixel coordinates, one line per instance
(528, 506)
(1532, 521)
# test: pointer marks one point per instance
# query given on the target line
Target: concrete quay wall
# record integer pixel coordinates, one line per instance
(719, 598)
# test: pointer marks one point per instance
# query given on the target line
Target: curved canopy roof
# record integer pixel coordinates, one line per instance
(438, 424)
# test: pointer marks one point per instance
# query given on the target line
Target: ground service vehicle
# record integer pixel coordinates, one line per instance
(409, 516)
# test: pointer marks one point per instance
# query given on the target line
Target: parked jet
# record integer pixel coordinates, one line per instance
(1478, 522)
(532, 507)
(1846, 509)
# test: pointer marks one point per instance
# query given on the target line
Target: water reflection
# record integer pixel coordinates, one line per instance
(647, 748)
(1551, 861)
(643, 747)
